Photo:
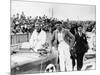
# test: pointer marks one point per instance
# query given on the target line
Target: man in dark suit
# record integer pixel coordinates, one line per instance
(81, 46)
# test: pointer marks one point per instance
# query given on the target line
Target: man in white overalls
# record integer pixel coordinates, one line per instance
(38, 38)
(64, 36)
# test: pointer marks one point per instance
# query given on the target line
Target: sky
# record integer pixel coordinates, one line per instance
(60, 11)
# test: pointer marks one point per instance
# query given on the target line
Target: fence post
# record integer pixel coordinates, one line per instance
(27, 36)
(11, 39)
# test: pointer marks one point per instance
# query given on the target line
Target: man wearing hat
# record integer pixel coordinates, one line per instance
(38, 37)
(81, 46)
(65, 41)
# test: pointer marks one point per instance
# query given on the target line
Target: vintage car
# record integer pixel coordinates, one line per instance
(26, 61)
(90, 56)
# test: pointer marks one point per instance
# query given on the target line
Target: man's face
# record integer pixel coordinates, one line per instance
(37, 27)
(59, 27)
(13, 16)
(17, 15)
(46, 28)
(80, 29)
(50, 30)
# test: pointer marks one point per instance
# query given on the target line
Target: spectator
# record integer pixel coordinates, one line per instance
(81, 46)
(38, 37)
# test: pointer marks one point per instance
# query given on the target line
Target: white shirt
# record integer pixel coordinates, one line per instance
(37, 39)
(60, 36)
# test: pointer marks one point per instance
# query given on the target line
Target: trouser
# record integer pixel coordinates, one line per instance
(73, 62)
(64, 57)
(73, 57)
(80, 60)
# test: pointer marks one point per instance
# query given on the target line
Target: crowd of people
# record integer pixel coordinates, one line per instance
(20, 23)
(66, 37)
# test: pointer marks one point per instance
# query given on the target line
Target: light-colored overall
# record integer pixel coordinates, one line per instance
(64, 54)
(37, 40)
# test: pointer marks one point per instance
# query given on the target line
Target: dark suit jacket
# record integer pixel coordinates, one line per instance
(81, 45)
(68, 37)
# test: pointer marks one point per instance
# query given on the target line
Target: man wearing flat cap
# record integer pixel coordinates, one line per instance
(38, 37)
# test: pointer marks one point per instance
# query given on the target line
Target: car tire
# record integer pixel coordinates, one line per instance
(50, 68)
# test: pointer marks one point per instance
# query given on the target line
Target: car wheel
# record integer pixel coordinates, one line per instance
(50, 68)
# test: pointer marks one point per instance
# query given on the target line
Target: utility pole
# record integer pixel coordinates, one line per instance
(52, 12)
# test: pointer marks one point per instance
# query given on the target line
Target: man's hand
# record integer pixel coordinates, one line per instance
(45, 45)
(31, 49)
(70, 48)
